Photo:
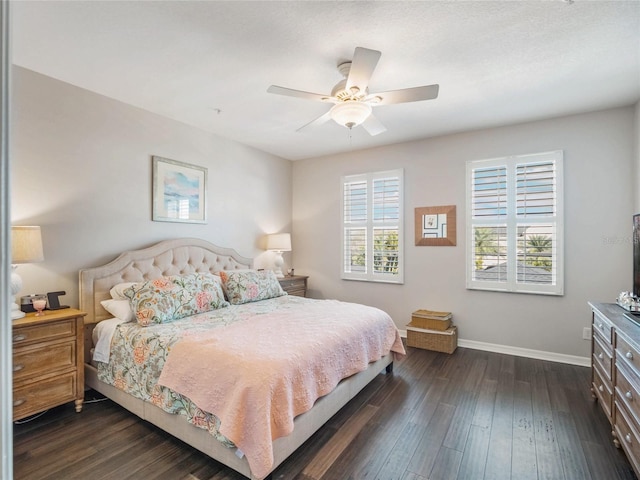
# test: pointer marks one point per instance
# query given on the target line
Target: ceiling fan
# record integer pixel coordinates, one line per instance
(352, 101)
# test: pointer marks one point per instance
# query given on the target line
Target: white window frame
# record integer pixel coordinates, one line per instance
(511, 221)
(369, 225)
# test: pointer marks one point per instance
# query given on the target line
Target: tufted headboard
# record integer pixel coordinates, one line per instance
(170, 257)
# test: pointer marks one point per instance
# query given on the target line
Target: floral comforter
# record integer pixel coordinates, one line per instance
(138, 355)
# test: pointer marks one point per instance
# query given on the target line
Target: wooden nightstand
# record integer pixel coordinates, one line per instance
(295, 285)
(48, 361)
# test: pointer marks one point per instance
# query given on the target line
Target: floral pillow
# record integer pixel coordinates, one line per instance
(244, 286)
(170, 298)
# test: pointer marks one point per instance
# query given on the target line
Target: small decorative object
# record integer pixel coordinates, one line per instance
(278, 243)
(26, 247)
(179, 192)
(430, 319)
(435, 226)
(629, 302)
(437, 340)
(39, 304)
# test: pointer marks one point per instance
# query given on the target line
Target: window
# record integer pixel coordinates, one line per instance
(514, 224)
(372, 234)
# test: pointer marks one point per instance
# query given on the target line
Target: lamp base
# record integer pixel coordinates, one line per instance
(16, 286)
(16, 313)
(278, 262)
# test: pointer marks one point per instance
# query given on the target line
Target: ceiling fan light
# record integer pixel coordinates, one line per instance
(350, 114)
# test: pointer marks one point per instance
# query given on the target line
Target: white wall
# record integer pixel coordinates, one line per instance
(598, 151)
(82, 170)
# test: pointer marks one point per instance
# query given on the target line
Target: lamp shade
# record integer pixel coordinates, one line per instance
(279, 242)
(26, 245)
(350, 114)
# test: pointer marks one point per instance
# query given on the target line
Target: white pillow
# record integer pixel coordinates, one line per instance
(117, 291)
(119, 308)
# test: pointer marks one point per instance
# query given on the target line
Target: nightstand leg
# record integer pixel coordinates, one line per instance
(79, 405)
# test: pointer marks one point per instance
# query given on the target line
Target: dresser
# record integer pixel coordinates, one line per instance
(48, 358)
(615, 369)
(294, 285)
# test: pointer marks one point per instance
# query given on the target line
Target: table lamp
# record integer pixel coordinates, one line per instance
(26, 247)
(278, 243)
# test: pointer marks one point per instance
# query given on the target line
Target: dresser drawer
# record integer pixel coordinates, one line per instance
(602, 355)
(47, 393)
(602, 326)
(627, 435)
(40, 359)
(602, 388)
(626, 391)
(627, 353)
(43, 332)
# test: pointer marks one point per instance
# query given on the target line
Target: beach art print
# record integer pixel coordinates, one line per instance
(179, 191)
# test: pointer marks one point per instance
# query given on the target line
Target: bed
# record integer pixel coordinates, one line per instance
(182, 258)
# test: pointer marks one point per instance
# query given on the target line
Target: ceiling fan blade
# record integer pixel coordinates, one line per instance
(373, 126)
(362, 66)
(289, 92)
(324, 118)
(415, 94)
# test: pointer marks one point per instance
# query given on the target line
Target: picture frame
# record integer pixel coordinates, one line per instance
(179, 191)
(435, 226)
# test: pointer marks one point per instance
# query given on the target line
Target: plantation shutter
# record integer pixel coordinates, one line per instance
(372, 227)
(515, 224)
(355, 221)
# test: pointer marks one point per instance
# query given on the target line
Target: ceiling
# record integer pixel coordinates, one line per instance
(209, 63)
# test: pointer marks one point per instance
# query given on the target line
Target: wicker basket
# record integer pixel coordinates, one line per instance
(430, 320)
(439, 341)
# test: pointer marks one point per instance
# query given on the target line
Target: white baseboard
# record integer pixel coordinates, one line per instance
(520, 352)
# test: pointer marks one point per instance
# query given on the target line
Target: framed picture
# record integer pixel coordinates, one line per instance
(429, 222)
(435, 226)
(179, 192)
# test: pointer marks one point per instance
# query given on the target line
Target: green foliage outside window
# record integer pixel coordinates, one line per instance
(385, 248)
(538, 251)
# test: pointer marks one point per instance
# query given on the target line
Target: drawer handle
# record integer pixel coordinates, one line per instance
(600, 356)
(601, 388)
(17, 403)
(629, 395)
(629, 355)
(18, 367)
(20, 337)
(627, 437)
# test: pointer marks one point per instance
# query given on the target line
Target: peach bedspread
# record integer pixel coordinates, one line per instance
(256, 375)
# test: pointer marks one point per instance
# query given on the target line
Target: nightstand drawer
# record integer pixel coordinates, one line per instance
(46, 331)
(296, 285)
(40, 359)
(35, 397)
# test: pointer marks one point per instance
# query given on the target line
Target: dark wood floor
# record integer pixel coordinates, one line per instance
(471, 415)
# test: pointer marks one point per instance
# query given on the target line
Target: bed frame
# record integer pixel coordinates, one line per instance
(184, 256)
